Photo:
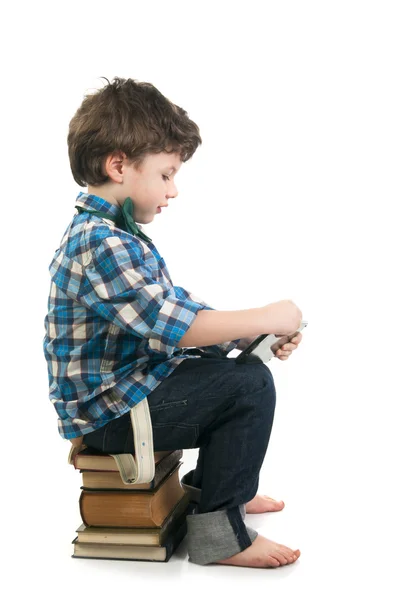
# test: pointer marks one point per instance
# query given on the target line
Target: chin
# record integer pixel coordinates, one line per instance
(146, 220)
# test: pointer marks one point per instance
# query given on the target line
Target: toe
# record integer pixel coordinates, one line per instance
(279, 556)
(288, 553)
(277, 503)
(273, 562)
(291, 559)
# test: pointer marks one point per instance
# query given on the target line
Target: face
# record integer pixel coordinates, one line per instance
(152, 185)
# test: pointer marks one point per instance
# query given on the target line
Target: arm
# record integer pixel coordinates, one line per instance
(216, 326)
(222, 348)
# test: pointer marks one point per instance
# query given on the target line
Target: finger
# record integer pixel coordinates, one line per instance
(289, 347)
(297, 338)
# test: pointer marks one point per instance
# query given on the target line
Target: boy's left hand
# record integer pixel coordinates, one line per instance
(286, 350)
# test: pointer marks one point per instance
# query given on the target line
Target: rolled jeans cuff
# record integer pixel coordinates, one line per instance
(217, 535)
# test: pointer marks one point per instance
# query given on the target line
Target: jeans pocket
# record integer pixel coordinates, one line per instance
(167, 404)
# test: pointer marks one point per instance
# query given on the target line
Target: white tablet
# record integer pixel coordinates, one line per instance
(266, 345)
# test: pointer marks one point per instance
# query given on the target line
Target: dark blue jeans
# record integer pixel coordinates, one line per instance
(224, 409)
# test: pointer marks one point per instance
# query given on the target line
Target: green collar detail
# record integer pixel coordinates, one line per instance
(124, 220)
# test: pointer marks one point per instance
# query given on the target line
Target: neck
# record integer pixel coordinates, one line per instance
(105, 193)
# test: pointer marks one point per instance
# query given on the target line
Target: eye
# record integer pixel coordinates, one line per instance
(165, 176)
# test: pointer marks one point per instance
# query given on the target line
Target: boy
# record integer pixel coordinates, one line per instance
(117, 329)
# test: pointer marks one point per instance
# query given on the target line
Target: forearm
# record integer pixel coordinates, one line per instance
(215, 327)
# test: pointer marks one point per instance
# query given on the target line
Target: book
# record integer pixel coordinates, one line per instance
(111, 480)
(133, 552)
(131, 508)
(93, 460)
(135, 537)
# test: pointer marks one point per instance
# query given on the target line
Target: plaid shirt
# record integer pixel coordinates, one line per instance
(114, 321)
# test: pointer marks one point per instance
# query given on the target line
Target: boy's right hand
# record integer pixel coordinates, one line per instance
(285, 315)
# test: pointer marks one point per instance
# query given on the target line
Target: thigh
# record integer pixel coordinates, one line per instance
(186, 403)
(204, 377)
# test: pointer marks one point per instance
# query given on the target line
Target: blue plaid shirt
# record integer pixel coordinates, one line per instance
(114, 321)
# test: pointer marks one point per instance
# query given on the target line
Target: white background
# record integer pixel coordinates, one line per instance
(292, 195)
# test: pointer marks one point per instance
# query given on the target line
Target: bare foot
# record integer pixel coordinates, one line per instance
(262, 553)
(262, 504)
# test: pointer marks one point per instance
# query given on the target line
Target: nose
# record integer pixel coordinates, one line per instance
(173, 193)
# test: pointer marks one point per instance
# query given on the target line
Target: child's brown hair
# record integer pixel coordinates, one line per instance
(128, 116)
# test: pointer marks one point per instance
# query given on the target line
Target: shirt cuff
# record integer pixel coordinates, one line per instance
(173, 321)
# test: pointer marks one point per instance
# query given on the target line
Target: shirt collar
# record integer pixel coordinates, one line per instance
(92, 202)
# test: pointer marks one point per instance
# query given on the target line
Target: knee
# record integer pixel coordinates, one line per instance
(257, 374)
(255, 377)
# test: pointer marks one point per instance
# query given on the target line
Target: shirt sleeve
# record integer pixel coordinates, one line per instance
(222, 349)
(123, 290)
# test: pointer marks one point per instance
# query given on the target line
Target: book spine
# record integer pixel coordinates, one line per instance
(174, 540)
(165, 467)
(168, 496)
(82, 510)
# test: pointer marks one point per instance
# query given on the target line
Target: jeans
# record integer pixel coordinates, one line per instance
(226, 410)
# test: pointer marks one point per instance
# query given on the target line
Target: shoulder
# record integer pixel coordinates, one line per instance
(95, 237)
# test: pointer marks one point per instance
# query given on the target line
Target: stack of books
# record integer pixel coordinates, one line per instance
(144, 521)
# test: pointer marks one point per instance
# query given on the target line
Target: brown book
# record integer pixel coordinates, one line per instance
(92, 460)
(155, 536)
(131, 508)
(132, 552)
(111, 480)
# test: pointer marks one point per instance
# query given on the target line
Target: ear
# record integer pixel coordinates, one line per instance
(113, 166)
